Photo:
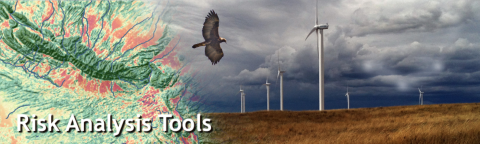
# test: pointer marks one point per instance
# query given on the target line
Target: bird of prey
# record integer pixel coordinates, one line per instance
(212, 40)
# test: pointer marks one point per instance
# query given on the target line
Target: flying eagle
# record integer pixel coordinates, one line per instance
(212, 40)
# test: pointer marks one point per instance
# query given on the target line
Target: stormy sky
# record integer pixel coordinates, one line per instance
(383, 50)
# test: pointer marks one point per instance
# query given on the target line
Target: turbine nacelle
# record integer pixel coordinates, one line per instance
(347, 95)
(241, 90)
(279, 72)
(323, 26)
(266, 82)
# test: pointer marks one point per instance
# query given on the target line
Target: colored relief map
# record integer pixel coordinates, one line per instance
(91, 59)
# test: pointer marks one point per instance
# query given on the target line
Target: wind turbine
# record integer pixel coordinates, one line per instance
(242, 100)
(420, 99)
(319, 29)
(268, 94)
(280, 74)
(348, 98)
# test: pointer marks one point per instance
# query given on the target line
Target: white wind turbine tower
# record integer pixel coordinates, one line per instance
(319, 29)
(242, 100)
(280, 74)
(420, 99)
(268, 94)
(348, 98)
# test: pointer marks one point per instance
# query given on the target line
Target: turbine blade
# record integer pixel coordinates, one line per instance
(276, 81)
(316, 14)
(311, 32)
(278, 62)
(268, 75)
(278, 74)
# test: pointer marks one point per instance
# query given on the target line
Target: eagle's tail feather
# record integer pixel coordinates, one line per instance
(199, 44)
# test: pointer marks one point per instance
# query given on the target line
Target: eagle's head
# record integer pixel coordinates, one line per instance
(223, 40)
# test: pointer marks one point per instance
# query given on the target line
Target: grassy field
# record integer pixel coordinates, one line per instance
(443, 123)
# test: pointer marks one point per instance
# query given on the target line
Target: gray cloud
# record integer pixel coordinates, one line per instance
(419, 16)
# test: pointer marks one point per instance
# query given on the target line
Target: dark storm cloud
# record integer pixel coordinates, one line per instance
(378, 48)
(418, 16)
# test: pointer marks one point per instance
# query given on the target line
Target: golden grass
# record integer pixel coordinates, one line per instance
(444, 123)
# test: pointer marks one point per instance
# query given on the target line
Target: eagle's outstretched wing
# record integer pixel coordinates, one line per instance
(214, 52)
(210, 27)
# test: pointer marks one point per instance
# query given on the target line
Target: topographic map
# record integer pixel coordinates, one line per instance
(91, 59)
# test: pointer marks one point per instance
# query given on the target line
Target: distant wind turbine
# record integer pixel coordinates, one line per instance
(242, 100)
(420, 99)
(348, 98)
(319, 29)
(268, 94)
(280, 74)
